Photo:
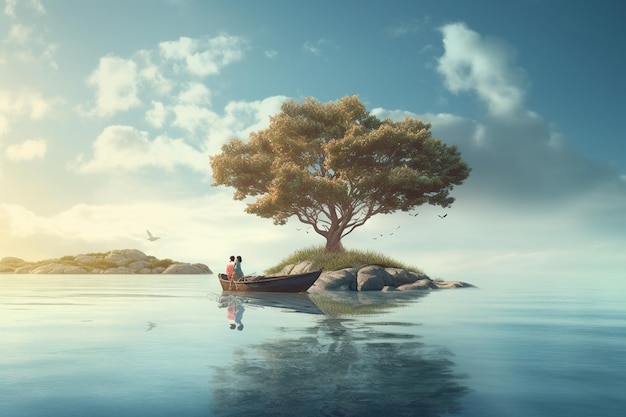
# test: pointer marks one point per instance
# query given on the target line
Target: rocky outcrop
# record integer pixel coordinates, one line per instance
(123, 261)
(187, 269)
(372, 278)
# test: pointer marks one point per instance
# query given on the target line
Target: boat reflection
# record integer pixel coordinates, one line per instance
(343, 365)
(298, 302)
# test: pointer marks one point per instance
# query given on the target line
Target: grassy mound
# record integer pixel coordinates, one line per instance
(336, 261)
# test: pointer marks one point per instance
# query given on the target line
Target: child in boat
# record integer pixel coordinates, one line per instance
(238, 271)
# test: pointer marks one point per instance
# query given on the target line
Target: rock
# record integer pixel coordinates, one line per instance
(122, 270)
(120, 261)
(183, 269)
(138, 265)
(204, 268)
(422, 284)
(11, 260)
(123, 257)
(453, 284)
(372, 278)
(403, 276)
(85, 259)
(341, 280)
(377, 278)
(299, 268)
(57, 268)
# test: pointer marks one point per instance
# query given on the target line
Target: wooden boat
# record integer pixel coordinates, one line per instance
(278, 283)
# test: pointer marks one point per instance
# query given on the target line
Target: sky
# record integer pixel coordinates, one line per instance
(110, 110)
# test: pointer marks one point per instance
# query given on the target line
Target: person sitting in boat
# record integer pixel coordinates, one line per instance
(230, 268)
(238, 275)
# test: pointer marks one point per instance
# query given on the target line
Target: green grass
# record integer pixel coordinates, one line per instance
(341, 260)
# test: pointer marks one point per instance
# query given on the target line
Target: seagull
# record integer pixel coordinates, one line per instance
(152, 238)
(441, 217)
(150, 326)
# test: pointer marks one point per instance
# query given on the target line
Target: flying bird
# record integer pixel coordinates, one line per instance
(152, 238)
(151, 326)
(441, 217)
(414, 215)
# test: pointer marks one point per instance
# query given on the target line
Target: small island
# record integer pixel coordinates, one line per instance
(346, 271)
(119, 261)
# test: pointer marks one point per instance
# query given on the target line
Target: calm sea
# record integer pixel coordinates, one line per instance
(176, 346)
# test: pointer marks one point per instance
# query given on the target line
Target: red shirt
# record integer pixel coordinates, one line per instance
(230, 269)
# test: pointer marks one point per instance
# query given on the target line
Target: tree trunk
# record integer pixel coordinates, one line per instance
(333, 241)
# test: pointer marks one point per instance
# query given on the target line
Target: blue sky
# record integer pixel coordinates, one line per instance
(110, 110)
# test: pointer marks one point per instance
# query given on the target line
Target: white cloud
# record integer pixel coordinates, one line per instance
(270, 53)
(408, 28)
(485, 66)
(20, 34)
(202, 57)
(167, 76)
(241, 118)
(195, 93)
(115, 81)
(27, 150)
(11, 6)
(4, 125)
(157, 115)
(126, 149)
(26, 104)
(193, 118)
(318, 47)
(151, 74)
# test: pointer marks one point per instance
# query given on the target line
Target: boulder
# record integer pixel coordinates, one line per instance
(203, 267)
(422, 284)
(121, 270)
(6, 268)
(138, 265)
(372, 278)
(183, 269)
(341, 280)
(299, 268)
(11, 260)
(123, 257)
(57, 268)
(24, 269)
(85, 259)
(403, 276)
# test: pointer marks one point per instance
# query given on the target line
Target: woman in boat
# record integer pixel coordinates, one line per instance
(238, 274)
(230, 268)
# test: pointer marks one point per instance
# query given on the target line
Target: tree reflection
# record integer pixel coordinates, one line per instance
(340, 368)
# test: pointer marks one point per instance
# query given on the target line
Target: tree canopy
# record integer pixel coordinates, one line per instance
(333, 166)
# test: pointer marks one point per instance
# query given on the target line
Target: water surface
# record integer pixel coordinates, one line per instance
(176, 346)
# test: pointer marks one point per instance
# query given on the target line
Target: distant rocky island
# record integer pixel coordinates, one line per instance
(121, 261)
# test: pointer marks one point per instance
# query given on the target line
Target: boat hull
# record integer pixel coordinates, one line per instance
(284, 283)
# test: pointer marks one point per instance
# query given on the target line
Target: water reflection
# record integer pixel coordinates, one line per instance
(234, 311)
(299, 303)
(341, 366)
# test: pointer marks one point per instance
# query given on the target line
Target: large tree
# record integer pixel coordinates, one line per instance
(333, 166)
